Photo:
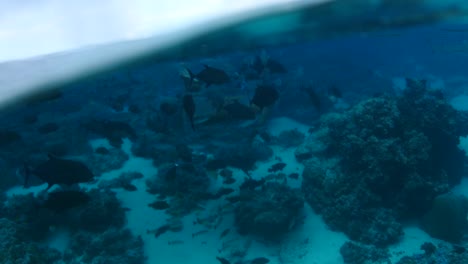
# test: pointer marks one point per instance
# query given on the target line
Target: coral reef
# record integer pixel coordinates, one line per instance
(441, 253)
(269, 212)
(102, 212)
(384, 160)
(95, 229)
(114, 159)
(447, 218)
(16, 247)
(111, 246)
(290, 138)
(353, 253)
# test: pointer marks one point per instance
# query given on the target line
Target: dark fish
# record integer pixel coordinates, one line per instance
(275, 66)
(237, 111)
(277, 167)
(222, 192)
(8, 136)
(60, 171)
(48, 128)
(61, 201)
(260, 261)
(416, 84)
(159, 205)
(229, 180)
(226, 173)
(458, 249)
(314, 98)
(114, 131)
(129, 187)
(271, 65)
(201, 232)
(251, 184)
(189, 108)
(238, 198)
(175, 242)
(294, 176)
(171, 173)
(264, 96)
(43, 96)
(234, 199)
(30, 119)
(168, 107)
(223, 260)
(335, 92)
(210, 75)
(160, 230)
(225, 232)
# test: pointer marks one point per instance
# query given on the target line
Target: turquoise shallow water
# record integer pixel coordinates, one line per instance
(339, 139)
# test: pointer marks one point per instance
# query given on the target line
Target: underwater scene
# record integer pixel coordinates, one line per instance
(331, 143)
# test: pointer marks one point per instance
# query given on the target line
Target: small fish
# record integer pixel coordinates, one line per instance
(223, 260)
(273, 66)
(225, 232)
(223, 191)
(226, 173)
(294, 176)
(43, 96)
(251, 184)
(234, 199)
(335, 92)
(48, 128)
(260, 261)
(265, 96)
(175, 242)
(159, 231)
(201, 232)
(159, 205)
(229, 180)
(314, 98)
(210, 75)
(458, 249)
(129, 187)
(168, 107)
(277, 167)
(189, 108)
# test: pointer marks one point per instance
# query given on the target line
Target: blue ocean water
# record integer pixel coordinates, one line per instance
(347, 146)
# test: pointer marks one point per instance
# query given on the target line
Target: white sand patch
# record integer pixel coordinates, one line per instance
(460, 102)
(278, 125)
(411, 243)
(462, 188)
(20, 190)
(463, 145)
(313, 243)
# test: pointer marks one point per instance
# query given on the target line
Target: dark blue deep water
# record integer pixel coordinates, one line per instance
(340, 148)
